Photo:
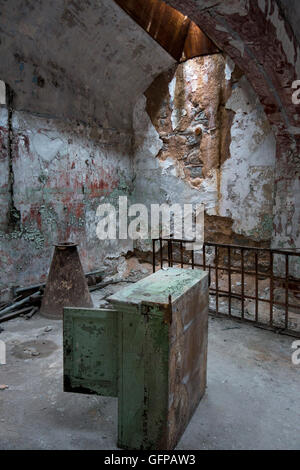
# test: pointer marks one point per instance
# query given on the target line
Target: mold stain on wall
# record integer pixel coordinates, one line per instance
(62, 171)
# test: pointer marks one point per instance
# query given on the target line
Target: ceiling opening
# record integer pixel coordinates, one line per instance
(176, 33)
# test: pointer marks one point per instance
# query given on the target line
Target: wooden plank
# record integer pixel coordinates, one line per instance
(163, 23)
(198, 44)
(176, 33)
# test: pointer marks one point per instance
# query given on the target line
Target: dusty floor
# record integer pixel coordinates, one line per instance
(252, 399)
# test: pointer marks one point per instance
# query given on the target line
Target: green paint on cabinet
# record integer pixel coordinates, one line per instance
(150, 351)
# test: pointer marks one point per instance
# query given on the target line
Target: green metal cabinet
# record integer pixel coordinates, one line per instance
(90, 351)
(150, 352)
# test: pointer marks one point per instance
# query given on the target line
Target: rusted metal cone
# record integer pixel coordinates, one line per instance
(66, 284)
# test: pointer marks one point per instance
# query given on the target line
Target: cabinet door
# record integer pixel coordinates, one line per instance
(91, 351)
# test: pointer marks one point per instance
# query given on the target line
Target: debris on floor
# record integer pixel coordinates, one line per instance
(27, 300)
(26, 305)
(255, 409)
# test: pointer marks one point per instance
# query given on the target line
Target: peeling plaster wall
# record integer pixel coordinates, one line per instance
(247, 177)
(62, 171)
(201, 135)
(77, 67)
(43, 71)
(78, 59)
(262, 37)
(291, 9)
(42, 43)
(4, 169)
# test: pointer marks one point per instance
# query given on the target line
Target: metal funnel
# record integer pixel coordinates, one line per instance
(66, 284)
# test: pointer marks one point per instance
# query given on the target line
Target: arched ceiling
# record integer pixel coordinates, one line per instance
(259, 36)
(77, 59)
(291, 9)
(89, 60)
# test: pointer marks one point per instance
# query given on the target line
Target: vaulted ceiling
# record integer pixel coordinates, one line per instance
(77, 59)
(88, 59)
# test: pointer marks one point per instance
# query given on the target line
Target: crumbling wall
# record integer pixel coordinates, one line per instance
(59, 173)
(201, 135)
(262, 38)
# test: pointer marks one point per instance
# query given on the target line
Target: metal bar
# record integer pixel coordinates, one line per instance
(153, 255)
(224, 293)
(161, 253)
(275, 280)
(30, 298)
(286, 291)
(256, 287)
(177, 240)
(263, 326)
(217, 279)
(22, 290)
(181, 254)
(271, 286)
(239, 247)
(14, 314)
(101, 285)
(229, 281)
(238, 271)
(169, 253)
(243, 283)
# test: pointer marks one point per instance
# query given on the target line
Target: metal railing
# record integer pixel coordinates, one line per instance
(249, 284)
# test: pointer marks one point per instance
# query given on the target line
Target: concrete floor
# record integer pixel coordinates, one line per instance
(252, 399)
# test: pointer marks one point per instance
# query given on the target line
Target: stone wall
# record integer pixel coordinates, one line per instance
(262, 38)
(53, 176)
(201, 135)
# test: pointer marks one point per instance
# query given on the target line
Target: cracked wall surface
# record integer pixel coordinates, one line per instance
(181, 150)
(201, 135)
(262, 37)
(62, 171)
